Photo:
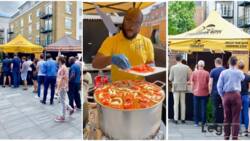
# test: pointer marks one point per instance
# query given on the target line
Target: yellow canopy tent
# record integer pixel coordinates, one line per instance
(215, 34)
(20, 45)
(108, 7)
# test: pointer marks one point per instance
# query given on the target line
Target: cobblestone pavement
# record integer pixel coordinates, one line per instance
(22, 116)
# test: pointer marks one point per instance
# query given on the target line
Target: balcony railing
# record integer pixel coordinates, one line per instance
(227, 14)
(244, 3)
(45, 30)
(45, 43)
(9, 31)
(46, 15)
(244, 22)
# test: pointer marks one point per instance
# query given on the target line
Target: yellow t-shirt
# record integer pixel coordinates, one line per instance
(138, 51)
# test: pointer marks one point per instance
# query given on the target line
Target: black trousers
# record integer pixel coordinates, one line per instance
(218, 114)
(74, 95)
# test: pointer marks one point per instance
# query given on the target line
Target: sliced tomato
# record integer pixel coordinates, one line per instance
(129, 94)
(142, 68)
(134, 87)
(128, 105)
(105, 101)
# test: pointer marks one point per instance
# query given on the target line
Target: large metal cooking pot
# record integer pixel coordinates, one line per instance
(130, 124)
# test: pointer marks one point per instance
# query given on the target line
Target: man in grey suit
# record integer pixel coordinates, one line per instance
(179, 76)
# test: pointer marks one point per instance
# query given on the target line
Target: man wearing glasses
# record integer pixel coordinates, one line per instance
(127, 48)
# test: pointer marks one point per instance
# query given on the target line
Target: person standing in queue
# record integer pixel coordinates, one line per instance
(6, 67)
(179, 76)
(215, 97)
(34, 74)
(74, 84)
(244, 98)
(50, 69)
(15, 68)
(29, 76)
(229, 88)
(125, 49)
(199, 84)
(24, 72)
(41, 74)
(62, 88)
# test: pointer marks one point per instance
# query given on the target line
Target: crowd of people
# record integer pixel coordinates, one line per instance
(48, 72)
(227, 89)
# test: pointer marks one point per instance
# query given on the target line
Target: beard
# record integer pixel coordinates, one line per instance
(126, 36)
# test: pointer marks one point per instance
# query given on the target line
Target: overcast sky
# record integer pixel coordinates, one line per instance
(8, 8)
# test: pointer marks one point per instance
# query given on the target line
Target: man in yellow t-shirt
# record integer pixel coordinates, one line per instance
(125, 49)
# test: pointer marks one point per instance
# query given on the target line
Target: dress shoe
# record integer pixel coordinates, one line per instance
(42, 102)
(175, 121)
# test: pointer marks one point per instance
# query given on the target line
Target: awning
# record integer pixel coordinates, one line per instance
(111, 7)
(20, 45)
(215, 34)
(65, 44)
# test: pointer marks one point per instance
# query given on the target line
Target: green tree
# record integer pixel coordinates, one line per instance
(180, 16)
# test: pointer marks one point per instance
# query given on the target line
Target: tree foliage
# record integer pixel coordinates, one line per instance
(180, 16)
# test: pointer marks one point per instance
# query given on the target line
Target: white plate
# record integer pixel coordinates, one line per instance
(156, 70)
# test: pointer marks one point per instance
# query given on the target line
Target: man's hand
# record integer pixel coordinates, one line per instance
(120, 61)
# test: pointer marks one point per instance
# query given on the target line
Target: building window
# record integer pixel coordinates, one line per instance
(247, 14)
(30, 18)
(21, 31)
(30, 29)
(22, 22)
(48, 24)
(11, 27)
(68, 7)
(30, 38)
(15, 23)
(225, 9)
(68, 23)
(48, 39)
(37, 26)
(80, 11)
(68, 33)
(37, 12)
(48, 9)
(37, 39)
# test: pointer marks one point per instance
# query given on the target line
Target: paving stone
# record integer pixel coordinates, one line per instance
(29, 133)
(189, 132)
(22, 116)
